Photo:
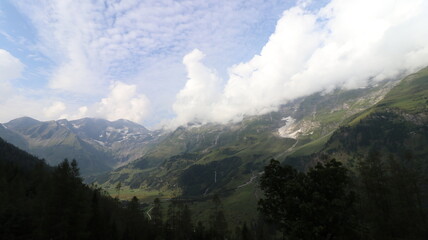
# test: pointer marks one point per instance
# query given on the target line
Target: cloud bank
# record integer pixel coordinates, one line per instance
(345, 44)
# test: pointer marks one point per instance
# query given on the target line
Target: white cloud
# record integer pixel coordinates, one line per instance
(76, 77)
(344, 44)
(55, 110)
(14, 101)
(122, 102)
(10, 66)
(81, 113)
(17, 105)
(201, 90)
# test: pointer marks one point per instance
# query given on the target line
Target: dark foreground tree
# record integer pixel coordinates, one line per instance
(315, 205)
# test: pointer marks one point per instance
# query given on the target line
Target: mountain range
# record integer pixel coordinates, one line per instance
(197, 161)
(101, 146)
(97, 144)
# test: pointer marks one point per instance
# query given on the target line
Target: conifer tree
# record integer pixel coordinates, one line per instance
(157, 216)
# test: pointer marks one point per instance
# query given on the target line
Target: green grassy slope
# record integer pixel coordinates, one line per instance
(411, 95)
(397, 125)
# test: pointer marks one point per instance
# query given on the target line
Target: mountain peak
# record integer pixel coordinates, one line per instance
(22, 122)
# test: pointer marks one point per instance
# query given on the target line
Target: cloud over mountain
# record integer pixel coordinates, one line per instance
(201, 90)
(123, 102)
(345, 44)
(10, 66)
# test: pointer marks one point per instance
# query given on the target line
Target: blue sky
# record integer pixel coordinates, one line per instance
(173, 62)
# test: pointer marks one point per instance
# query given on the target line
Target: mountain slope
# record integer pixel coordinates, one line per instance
(98, 145)
(13, 155)
(397, 126)
(13, 137)
(122, 139)
(54, 142)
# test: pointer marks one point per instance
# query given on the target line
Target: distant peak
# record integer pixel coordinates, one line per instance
(124, 120)
(22, 121)
(88, 119)
(25, 118)
(62, 120)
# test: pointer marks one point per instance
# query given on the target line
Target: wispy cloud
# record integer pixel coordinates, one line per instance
(343, 45)
(6, 35)
(115, 39)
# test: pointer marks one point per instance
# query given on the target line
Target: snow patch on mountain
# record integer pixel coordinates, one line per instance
(293, 129)
(99, 142)
(288, 130)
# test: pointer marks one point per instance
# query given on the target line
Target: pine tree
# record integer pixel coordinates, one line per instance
(118, 188)
(156, 216)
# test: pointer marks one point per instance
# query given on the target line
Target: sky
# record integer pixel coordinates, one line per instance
(168, 63)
